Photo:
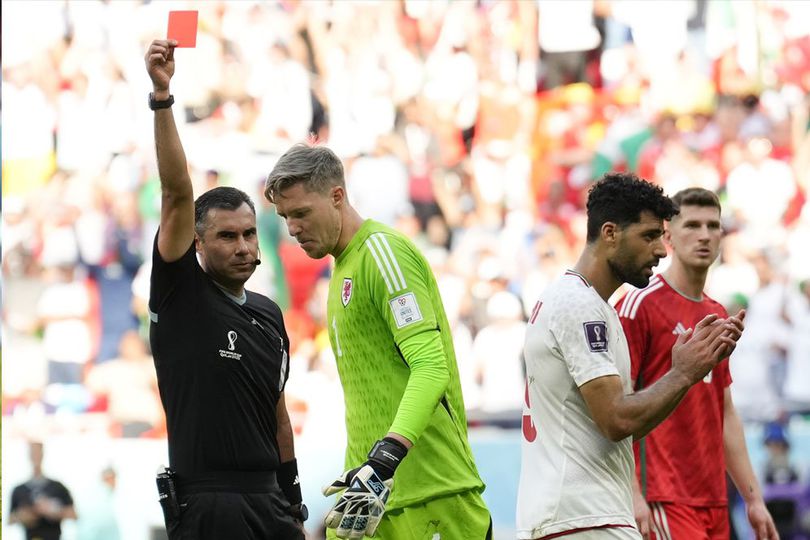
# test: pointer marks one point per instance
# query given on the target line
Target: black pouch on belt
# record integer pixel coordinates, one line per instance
(167, 493)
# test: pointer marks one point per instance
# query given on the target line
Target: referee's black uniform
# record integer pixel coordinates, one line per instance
(221, 368)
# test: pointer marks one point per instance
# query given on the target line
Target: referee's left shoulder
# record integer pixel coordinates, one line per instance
(264, 303)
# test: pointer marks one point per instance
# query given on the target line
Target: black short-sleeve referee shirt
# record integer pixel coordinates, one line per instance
(221, 368)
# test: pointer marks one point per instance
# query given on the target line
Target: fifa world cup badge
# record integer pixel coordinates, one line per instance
(596, 335)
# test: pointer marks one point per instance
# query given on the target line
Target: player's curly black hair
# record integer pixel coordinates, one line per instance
(620, 198)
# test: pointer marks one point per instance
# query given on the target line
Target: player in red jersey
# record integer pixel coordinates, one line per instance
(681, 464)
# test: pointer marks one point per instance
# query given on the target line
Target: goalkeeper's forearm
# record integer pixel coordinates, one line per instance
(404, 441)
(426, 385)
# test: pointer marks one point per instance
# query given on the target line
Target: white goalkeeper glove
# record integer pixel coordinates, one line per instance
(360, 508)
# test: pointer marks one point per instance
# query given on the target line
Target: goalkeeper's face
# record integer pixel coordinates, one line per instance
(312, 218)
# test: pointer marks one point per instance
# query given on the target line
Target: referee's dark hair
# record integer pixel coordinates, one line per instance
(226, 198)
(621, 198)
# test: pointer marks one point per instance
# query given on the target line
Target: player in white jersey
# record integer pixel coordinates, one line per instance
(580, 412)
(573, 494)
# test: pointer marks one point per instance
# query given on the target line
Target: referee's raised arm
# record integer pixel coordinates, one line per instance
(177, 197)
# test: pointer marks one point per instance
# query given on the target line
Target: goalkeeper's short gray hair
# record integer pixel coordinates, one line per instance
(316, 167)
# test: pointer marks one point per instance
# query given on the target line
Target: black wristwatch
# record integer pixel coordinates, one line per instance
(299, 511)
(155, 104)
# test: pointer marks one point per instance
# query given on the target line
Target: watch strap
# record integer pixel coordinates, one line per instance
(162, 104)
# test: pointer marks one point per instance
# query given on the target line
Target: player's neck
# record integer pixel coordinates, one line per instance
(350, 224)
(235, 293)
(596, 270)
(236, 290)
(687, 281)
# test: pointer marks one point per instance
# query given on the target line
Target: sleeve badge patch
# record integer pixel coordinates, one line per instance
(596, 335)
(405, 309)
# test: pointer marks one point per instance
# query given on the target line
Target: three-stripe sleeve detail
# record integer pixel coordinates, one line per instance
(659, 521)
(633, 299)
(387, 263)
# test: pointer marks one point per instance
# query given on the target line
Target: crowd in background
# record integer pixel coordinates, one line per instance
(476, 127)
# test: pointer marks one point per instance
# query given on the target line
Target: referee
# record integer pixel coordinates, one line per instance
(221, 355)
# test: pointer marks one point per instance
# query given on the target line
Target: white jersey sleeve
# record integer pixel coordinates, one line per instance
(581, 331)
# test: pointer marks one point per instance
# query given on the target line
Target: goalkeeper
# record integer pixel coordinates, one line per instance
(410, 472)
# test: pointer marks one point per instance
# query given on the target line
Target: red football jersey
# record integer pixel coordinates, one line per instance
(682, 459)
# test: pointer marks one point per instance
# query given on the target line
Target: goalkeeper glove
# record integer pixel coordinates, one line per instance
(360, 508)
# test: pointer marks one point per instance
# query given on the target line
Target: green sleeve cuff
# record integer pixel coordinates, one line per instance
(426, 385)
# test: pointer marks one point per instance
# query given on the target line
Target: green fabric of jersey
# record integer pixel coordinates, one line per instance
(426, 385)
(397, 366)
(463, 516)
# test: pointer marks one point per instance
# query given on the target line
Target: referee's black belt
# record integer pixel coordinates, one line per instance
(227, 481)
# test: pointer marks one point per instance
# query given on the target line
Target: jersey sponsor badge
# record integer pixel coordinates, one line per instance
(346, 291)
(596, 335)
(406, 309)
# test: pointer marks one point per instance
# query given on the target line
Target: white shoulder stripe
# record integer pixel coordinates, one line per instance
(386, 261)
(375, 239)
(632, 296)
(628, 299)
(384, 240)
(646, 292)
(374, 254)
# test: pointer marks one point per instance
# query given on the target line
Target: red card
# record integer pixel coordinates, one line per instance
(183, 28)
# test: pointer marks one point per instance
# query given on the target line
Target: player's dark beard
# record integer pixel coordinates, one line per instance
(626, 273)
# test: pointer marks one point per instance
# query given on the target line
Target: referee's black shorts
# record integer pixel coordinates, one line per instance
(239, 505)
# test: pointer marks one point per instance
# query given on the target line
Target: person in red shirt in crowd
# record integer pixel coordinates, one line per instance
(681, 465)
(665, 131)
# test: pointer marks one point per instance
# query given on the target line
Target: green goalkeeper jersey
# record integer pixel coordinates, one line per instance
(382, 294)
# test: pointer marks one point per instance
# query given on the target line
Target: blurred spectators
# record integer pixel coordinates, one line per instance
(66, 321)
(497, 351)
(783, 492)
(41, 504)
(778, 469)
(566, 34)
(125, 387)
(797, 370)
(98, 519)
(476, 127)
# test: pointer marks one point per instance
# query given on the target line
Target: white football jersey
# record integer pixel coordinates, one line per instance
(571, 477)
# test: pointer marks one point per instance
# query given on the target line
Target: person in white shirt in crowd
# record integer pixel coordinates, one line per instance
(498, 354)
